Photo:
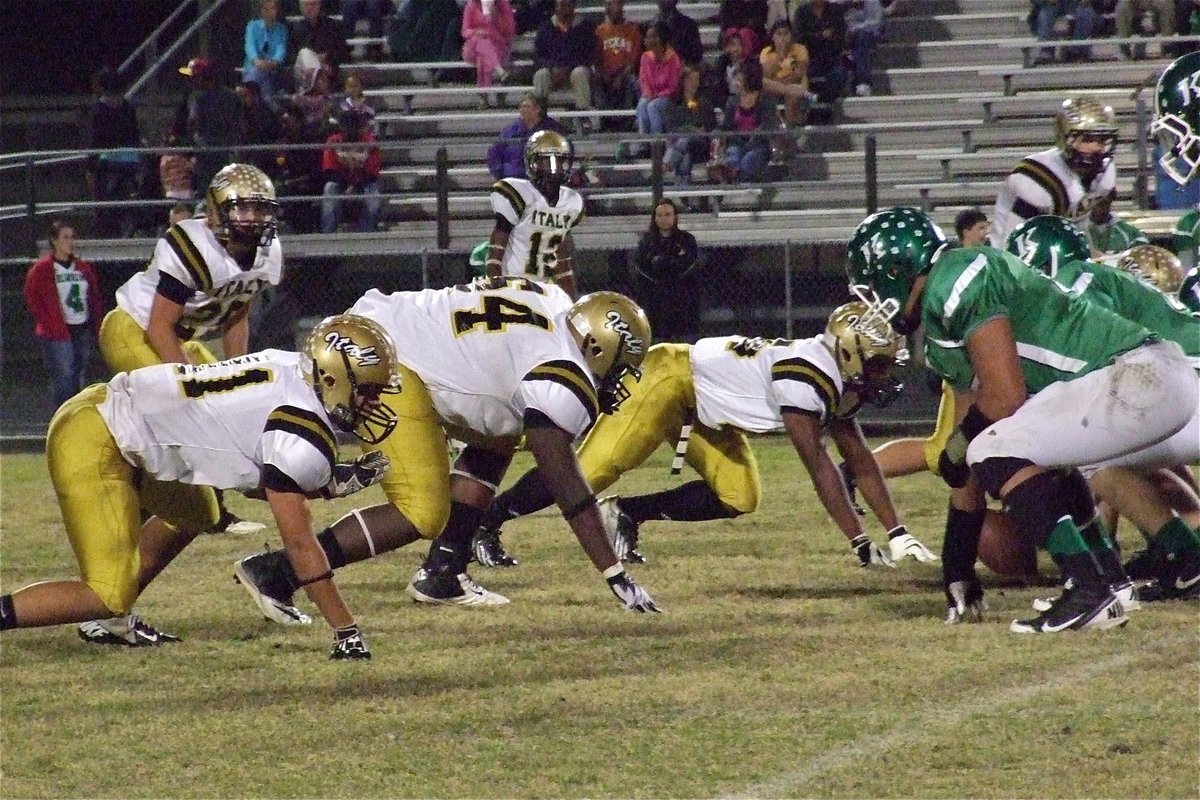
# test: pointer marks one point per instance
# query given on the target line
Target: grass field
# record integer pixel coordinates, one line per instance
(779, 669)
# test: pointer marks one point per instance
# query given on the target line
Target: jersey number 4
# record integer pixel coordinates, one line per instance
(496, 314)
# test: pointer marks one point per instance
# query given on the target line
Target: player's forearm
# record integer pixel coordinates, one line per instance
(832, 494)
(166, 344)
(236, 339)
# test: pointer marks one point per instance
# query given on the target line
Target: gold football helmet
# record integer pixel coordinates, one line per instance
(866, 347)
(1155, 265)
(548, 158)
(350, 361)
(1081, 117)
(242, 198)
(613, 334)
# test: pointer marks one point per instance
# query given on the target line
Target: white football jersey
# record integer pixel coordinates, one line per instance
(490, 350)
(748, 383)
(538, 227)
(238, 424)
(191, 253)
(1044, 183)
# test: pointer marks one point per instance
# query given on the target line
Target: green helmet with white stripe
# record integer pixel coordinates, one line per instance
(1046, 243)
(892, 248)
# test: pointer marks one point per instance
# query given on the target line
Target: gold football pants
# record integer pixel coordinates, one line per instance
(935, 444)
(125, 345)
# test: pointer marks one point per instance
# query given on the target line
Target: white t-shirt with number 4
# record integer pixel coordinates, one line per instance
(72, 293)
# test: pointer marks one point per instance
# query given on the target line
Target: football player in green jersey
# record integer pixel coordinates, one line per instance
(1176, 125)
(1059, 383)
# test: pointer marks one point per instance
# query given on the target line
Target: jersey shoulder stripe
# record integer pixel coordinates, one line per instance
(307, 426)
(510, 193)
(1044, 177)
(570, 375)
(191, 258)
(799, 369)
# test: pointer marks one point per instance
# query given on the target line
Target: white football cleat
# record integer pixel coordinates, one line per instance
(451, 590)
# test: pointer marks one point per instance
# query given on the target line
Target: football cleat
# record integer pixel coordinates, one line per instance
(1142, 565)
(851, 488)
(621, 529)
(269, 591)
(487, 549)
(232, 523)
(1179, 576)
(451, 590)
(1076, 609)
(1126, 592)
(966, 603)
(128, 631)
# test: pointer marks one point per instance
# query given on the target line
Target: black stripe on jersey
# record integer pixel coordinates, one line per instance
(509, 193)
(306, 425)
(277, 480)
(190, 256)
(572, 376)
(1025, 209)
(797, 369)
(1045, 178)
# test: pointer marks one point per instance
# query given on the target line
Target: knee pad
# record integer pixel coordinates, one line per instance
(993, 473)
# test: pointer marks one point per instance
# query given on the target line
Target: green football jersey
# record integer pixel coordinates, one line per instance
(1059, 336)
(1134, 300)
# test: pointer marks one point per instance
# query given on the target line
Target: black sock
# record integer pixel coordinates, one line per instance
(692, 502)
(451, 550)
(1101, 545)
(8, 614)
(527, 495)
(960, 545)
(1077, 496)
(333, 548)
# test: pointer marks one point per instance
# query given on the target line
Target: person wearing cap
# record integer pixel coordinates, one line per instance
(213, 116)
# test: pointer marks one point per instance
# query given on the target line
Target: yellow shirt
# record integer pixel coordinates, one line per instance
(790, 68)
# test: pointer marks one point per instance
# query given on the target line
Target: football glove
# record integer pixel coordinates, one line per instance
(903, 544)
(869, 553)
(357, 474)
(632, 596)
(348, 645)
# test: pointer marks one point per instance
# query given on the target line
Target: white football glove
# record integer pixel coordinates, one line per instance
(904, 544)
(632, 596)
(357, 474)
(869, 554)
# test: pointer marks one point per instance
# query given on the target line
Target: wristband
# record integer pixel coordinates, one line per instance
(613, 571)
(577, 509)
(493, 262)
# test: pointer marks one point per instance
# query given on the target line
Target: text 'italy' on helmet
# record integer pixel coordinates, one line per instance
(1046, 243)
(1176, 122)
(242, 198)
(613, 334)
(890, 249)
(1155, 265)
(1082, 119)
(548, 158)
(866, 347)
(350, 362)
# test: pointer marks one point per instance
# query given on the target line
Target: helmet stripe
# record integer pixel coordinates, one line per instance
(189, 256)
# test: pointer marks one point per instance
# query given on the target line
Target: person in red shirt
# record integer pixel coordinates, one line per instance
(63, 296)
(350, 170)
(615, 78)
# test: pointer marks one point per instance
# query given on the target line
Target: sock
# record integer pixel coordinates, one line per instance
(694, 501)
(527, 495)
(960, 545)
(1176, 537)
(333, 549)
(8, 614)
(1077, 496)
(1078, 563)
(451, 550)
(1096, 537)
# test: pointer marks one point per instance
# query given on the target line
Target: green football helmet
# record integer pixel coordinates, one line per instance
(890, 249)
(1176, 121)
(1047, 242)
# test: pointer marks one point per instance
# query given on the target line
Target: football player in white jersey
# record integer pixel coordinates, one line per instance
(160, 437)
(1066, 179)
(730, 386)
(535, 217)
(487, 363)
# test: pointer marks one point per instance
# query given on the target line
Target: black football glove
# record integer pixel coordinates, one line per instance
(355, 475)
(632, 596)
(348, 645)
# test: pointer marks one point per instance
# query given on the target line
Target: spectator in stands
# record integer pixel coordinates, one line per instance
(63, 297)
(745, 15)
(353, 99)
(1083, 24)
(693, 117)
(213, 119)
(745, 155)
(785, 72)
(564, 51)
(177, 171)
(658, 76)
(488, 28)
(821, 27)
(666, 278)
(615, 79)
(684, 33)
(318, 105)
(297, 172)
(972, 227)
(350, 170)
(1143, 17)
(720, 83)
(864, 30)
(265, 44)
(1107, 233)
(260, 125)
(115, 173)
(530, 14)
(506, 156)
(320, 33)
(376, 12)
(428, 30)
(178, 213)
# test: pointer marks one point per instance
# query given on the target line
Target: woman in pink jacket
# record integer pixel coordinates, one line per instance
(488, 28)
(64, 298)
(658, 73)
